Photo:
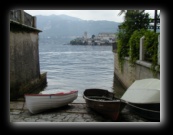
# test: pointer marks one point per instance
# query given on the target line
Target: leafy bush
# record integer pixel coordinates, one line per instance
(134, 44)
(134, 20)
(122, 47)
(151, 46)
(128, 39)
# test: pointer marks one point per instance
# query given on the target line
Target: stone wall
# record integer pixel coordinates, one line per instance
(24, 59)
(129, 74)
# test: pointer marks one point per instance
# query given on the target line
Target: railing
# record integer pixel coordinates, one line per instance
(23, 18)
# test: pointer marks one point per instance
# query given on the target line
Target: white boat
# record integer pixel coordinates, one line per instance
(49, 99)
(143, 97)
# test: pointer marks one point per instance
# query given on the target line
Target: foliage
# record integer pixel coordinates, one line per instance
(122, 47)
(124, 11)
(93, 36)
(128, 39)
(134, 20)
(151, 49)
(151, 46)
(77, 42)
(134, 44)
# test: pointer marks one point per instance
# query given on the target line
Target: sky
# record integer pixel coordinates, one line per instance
(109, 15)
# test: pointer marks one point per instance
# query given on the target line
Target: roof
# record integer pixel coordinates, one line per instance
(12, 23)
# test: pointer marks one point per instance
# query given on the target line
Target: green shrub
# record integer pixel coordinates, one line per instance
(151, 50)
(151, 46)
(134, 44)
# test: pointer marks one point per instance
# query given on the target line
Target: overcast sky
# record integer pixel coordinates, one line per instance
(109, 15)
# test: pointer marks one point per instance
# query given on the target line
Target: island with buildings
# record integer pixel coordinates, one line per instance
(100, 39)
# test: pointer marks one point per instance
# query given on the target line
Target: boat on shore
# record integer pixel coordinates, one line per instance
(103, 102)
(49, 99)
(143, 98)
(147, 111)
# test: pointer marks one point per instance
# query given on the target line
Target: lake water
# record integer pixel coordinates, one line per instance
(78, 67)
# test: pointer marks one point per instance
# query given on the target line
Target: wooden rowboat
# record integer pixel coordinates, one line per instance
(103, 102)
(49, 99)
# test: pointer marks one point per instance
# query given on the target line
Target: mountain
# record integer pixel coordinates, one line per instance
(63, 28)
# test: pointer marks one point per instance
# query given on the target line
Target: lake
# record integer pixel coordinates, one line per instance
(78, 67)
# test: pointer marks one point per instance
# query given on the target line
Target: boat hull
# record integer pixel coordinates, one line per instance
(103, 102)
(108, 109)
(37, 103)
(147, 111)
(143, 98)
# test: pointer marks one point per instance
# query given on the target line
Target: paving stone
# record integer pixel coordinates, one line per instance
(74, 112)
(15, 112)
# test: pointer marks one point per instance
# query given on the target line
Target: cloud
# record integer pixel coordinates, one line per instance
(109, 15)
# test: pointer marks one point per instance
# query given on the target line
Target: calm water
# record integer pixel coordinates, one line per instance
(78, 67)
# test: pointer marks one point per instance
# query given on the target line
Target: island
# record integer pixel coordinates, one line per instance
(100, 39)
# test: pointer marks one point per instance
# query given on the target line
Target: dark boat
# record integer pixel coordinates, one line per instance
(143, 98)
(147, 111)
(103, 102)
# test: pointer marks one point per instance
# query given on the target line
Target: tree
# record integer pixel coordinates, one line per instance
(134, 20)
(121, 12)
(124, 11)
(93, 36)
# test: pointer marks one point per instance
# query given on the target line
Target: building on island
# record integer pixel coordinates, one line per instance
(105, 38)
(100, 39)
